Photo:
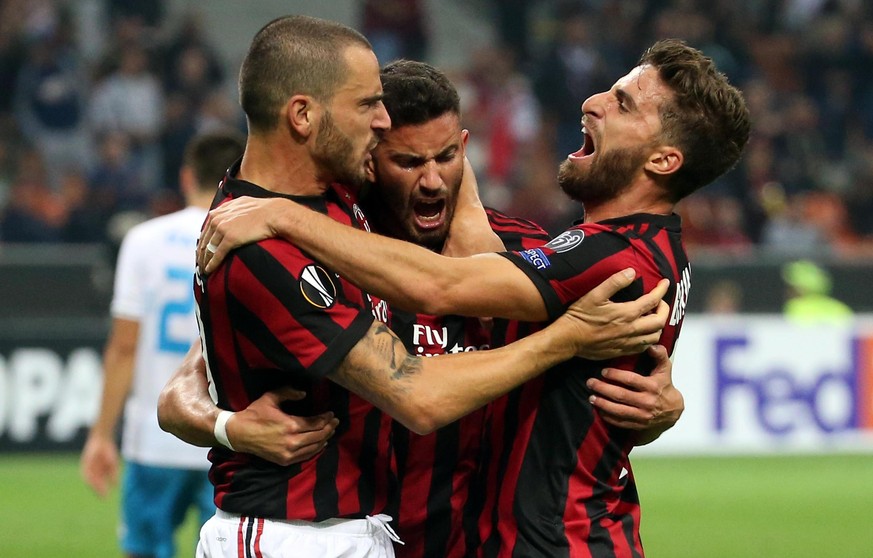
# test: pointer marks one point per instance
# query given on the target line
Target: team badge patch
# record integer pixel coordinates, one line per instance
(536, 258)
(566, 241)
(317, 287)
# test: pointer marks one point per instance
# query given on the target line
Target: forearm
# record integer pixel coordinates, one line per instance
(184, 406)
(412, 281)
(118, 363)
(460, 384)
(427, 393)
(118, 378)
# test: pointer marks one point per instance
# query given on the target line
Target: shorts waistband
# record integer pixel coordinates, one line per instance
(370, 526)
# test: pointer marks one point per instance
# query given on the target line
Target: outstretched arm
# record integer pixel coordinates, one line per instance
(427, 393)
(649, 404)
(186, 410)
(99, 462)
(408, 276)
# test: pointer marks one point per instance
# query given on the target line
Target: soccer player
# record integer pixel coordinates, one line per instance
(418, 172)
(152, 327)
(559, 477)
(273, 316)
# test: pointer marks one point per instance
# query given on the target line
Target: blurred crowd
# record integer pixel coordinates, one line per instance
(101, 105)
(91, 136)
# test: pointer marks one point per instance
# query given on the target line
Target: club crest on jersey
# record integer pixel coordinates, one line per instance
(317, 287)
(566, 241)
(536, 258)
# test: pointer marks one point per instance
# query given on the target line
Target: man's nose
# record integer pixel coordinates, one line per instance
(430, 176)
(381, 122)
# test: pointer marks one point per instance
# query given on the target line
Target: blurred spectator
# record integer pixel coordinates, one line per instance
(503, 118)
(51, 101)
(396, 29)
(713, 222)
(130, 101)
(115, 181)
(572, 70)
(85, 222)
(34, 212)
(808, 297)
(136, 19)
(787, 231)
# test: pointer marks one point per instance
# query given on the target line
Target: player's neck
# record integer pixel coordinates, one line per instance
(280, 166)
(630, 202)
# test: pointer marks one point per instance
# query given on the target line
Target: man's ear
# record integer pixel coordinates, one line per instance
(465, 137)
(370, 169)
(665, 160)
(301, 114)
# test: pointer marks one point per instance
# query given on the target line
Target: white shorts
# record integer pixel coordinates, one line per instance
(228, 535)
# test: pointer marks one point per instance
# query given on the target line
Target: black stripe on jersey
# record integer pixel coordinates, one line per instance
(326, 494)
(261, 337)
(366, 484)
(599, 541)
(510, 421)
(282, 285)
(563, 420)
(259, 486)
(440, 492)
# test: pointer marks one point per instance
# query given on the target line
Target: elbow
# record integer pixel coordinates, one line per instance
(424, 418)
(436, 298)
(165, 415)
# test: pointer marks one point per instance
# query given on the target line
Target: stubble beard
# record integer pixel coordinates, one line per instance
(334, 152)
(610, 174)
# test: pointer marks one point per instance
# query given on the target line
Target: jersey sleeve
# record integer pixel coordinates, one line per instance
(128, 300)
(573, 263)
(517, 234)
(296, 313)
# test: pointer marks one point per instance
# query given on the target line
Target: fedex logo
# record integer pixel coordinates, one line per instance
(793, 383)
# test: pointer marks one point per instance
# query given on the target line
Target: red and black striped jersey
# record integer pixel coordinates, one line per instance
(557, 480)
(435, 470)
(271, 316)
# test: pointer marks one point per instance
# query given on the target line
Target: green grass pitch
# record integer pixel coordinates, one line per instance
(712, 507)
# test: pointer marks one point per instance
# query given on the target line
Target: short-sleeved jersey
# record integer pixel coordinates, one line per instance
(558, 480)
(272, 316)
(435, 470)
(153, 288)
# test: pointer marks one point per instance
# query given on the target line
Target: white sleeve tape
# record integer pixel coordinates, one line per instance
(220, 429)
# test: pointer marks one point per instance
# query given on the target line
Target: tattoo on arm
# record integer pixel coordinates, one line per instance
(401, 363)
(378, 368)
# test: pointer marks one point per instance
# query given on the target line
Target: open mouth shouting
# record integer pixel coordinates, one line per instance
(588, 148)
(429, 213)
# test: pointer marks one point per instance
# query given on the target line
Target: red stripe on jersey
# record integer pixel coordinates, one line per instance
(581, 487)
(300, 490)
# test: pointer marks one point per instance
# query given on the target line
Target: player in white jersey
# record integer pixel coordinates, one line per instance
(153, 326)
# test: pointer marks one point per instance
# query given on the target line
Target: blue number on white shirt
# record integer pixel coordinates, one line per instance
(183, 308)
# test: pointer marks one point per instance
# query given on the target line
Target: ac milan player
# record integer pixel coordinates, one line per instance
(560, 480)
(273, 316)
